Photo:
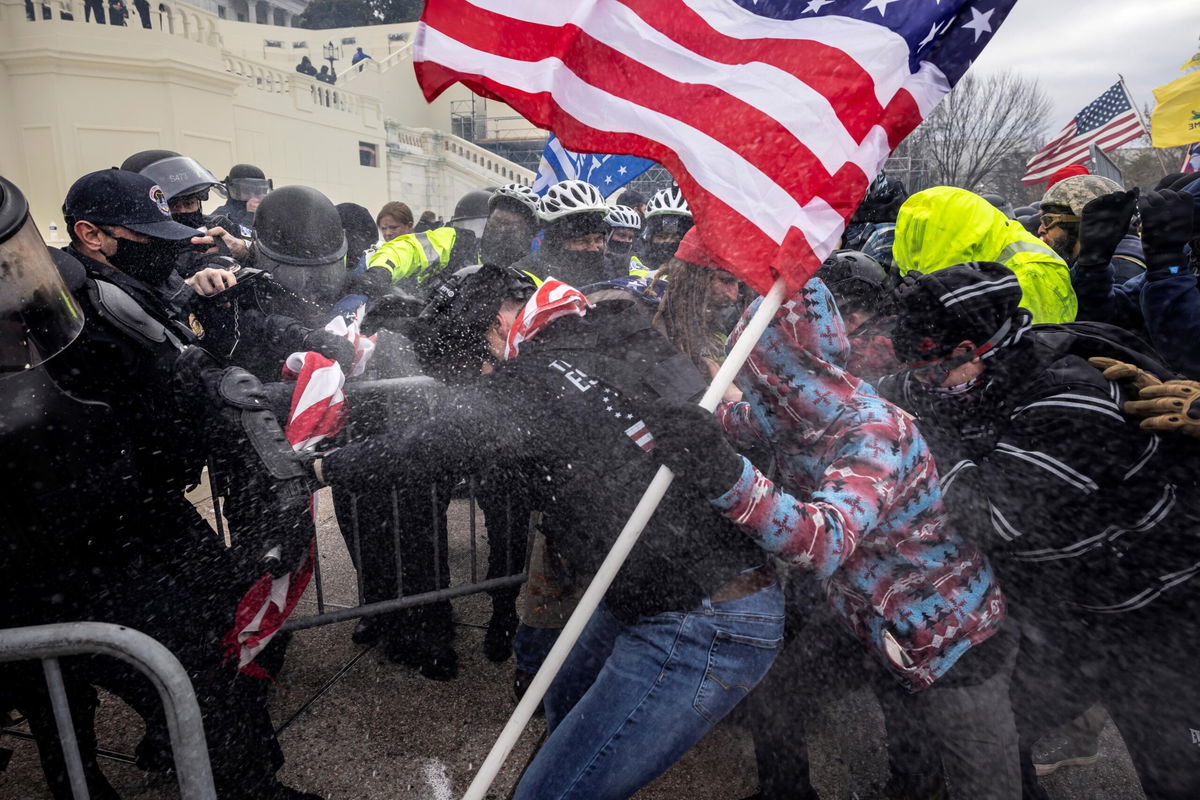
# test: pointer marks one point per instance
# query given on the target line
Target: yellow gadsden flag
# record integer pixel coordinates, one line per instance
(1176, 117)
(1192, 62)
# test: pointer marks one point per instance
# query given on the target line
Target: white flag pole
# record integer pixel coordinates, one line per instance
(616, 556)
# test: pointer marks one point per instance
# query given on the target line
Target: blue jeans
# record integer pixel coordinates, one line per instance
(632, 699)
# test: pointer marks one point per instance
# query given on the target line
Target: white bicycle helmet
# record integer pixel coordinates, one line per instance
(623, 217)
(667, 201)
(515, 191)
(570, 197)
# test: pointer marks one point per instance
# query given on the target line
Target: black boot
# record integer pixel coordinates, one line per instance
(498, 641)
(424, 641)
(368, 630)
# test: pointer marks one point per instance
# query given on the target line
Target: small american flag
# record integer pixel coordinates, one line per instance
(1107, 122)
(773, 115)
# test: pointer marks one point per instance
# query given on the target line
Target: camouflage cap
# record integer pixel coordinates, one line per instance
(1077, 191)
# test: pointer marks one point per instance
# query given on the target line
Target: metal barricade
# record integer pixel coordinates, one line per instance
(384, 406)
(49, 643)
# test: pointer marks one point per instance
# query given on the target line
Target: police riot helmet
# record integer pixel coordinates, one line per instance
(38, 315)
(299, 239)
(857, 281)
(177, 175)
(449, 334)
(471, 211)
(246, 181)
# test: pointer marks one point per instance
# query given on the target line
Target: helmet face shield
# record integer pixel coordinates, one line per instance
(181, 176)
(38, 315)
(322, 284)
(248, 188)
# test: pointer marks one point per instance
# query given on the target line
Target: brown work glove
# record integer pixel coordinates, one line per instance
(1168, 407)
(1173, 406)
(1119, 371)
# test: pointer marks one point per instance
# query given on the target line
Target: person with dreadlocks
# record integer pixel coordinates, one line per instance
(568, 389)
(695, 306)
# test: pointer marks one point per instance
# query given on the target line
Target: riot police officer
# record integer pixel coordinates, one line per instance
(247, 186)
(135, 396)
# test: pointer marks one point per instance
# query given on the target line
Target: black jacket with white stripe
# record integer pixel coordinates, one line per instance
(1077, 505)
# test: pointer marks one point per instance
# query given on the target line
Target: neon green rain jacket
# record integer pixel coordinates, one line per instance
(944, 226)
(415, 257)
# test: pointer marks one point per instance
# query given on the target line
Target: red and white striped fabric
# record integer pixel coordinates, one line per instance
(1109, 121)
(552, 300)
(318, 411)
(774, 118)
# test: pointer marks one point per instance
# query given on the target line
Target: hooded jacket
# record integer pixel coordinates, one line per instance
(858, 501)
(943, 226)
(1079, 507)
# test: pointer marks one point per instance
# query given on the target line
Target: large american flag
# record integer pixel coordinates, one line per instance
(773, 116)
(1107, 122)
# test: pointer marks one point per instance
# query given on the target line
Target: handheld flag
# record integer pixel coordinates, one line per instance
(1175, 120)
(1191, 63)
(606, 172)
(1107, 122)
(773, 115)
(1191, 159)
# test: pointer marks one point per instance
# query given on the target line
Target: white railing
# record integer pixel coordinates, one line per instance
(401, 55)
(456, 152)
(175, 19)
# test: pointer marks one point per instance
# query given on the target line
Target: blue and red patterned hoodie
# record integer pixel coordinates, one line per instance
(858, 500)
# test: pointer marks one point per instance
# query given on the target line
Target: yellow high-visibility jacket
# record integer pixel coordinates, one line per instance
(415, 257)
(944, 226)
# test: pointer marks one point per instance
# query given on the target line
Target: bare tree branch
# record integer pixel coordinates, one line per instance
(978, 129)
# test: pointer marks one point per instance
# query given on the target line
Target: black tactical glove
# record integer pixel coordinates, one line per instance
(1103, 222)
(1166, 228)
(374, 283)
(692, 443)
(332, 346)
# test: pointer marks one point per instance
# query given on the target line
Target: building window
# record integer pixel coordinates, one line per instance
(368, 154)
(221, 12)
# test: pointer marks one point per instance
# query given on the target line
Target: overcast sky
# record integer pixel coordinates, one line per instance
(1075, 48)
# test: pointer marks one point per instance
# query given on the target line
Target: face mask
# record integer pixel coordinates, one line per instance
(588, 262)
(503, 246)
(193, 219)
(150, 262)
(619, 248)
(659, 253)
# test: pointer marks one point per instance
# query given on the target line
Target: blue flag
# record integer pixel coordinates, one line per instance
(606, 173)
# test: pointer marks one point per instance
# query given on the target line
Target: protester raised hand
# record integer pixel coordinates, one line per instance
(1167, 226)
(1102, 224)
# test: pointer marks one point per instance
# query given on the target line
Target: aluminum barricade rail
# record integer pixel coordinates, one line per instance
(49, 643)
(382, 406)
